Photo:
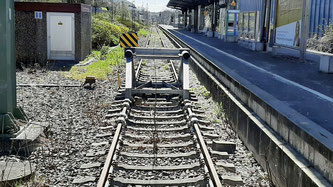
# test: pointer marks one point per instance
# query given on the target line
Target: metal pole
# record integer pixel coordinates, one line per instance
(8, 105)
(7, 58)
(304, 29)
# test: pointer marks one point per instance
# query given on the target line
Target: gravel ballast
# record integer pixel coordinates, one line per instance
(75, 116)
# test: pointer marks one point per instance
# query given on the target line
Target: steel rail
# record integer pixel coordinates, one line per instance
(104, 175)
(107, 165)
(140, 63)
(170, 61)
(208, 160)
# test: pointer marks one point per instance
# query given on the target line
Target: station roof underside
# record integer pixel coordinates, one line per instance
(188, 4)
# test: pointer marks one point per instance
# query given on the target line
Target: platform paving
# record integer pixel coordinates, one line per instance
(298, 85)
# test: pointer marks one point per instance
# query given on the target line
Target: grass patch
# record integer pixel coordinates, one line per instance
(100, 69)
(94, 54)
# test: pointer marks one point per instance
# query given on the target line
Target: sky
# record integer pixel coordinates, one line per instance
(153, 5)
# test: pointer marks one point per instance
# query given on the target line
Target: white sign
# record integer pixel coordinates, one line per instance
(289, 34)
(38, 15)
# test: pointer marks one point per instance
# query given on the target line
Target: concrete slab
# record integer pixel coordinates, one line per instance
(11, 171)
(31, 132)
(82, 180)
(197, 181)
(100, 144)
(92, 153)
(159, 145)
(90, 165)
(227, 166)
(160, 168)
(104, 135)
(206, 128)
(190, 154)
(233, 180)
(210, 136)
(219, 155)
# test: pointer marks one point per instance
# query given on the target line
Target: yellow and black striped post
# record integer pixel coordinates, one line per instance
(129, 40)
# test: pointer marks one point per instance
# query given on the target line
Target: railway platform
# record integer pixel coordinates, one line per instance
(297, 85)
(296, 90)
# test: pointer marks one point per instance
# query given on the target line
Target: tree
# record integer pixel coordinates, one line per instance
(98, 3)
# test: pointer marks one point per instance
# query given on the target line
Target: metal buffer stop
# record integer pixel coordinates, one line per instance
(181, 87)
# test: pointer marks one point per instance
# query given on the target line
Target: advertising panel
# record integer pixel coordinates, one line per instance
(288, 23)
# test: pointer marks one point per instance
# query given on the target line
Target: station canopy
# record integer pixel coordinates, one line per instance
(188, 4)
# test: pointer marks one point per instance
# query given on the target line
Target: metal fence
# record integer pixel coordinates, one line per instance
(321, 14)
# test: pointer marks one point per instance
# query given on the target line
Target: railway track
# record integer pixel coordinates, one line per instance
(158, 138)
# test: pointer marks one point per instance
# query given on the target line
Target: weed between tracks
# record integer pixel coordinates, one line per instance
(202, 91)
(143, 32)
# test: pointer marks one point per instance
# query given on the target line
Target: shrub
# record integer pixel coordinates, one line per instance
(323, 43)
(128, 23)
(103, 16)
(104, 51)
(123, 29)
(104, 33)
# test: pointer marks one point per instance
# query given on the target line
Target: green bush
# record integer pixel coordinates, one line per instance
(128, 23)
(123, 29)
(105, 33)
(103, 16)
(104, 51)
